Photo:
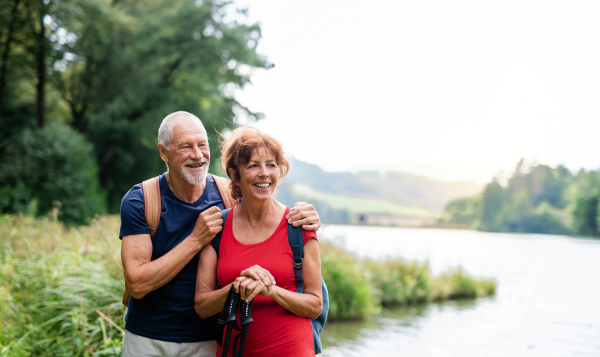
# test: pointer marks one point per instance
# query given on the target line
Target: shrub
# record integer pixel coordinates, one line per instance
(350, 292)
(400, 283)
(52, 168)
(456, 285)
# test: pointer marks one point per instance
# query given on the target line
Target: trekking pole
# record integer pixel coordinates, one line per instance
(245, 320)
(229, 311)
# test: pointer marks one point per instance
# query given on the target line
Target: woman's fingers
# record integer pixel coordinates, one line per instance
(248, 287)
(254, 288)
(256, 272)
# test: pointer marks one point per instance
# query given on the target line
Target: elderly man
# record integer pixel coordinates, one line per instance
(160, 271)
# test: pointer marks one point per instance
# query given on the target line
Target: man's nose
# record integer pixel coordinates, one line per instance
(197, 153)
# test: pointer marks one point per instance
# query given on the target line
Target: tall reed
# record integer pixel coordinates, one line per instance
(53, 279)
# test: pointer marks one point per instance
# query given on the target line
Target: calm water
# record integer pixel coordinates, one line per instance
(547, 302)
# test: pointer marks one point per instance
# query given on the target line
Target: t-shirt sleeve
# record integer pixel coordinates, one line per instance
(132, 213)
(306, 235)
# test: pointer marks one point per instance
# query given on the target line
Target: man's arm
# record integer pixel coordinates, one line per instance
(305, 215)
(143, 275)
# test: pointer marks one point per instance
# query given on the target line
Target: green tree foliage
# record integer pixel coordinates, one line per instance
(112, 70)
(463, 212)
(493, 200)
(51, 168)
(585, 203)
(171, 56)
(536, 199)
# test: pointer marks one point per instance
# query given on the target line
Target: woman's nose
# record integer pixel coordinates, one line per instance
(263, 171)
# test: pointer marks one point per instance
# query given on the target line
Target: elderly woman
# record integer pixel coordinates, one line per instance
(255, 254)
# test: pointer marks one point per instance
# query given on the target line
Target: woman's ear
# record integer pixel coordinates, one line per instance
(231, 174)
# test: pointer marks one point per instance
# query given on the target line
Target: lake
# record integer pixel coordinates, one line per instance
(547, 301)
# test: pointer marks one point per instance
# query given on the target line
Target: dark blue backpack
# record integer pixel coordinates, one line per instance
(295, 239)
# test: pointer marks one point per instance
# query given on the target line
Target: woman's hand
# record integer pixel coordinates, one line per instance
(248, 288)
(256, 272)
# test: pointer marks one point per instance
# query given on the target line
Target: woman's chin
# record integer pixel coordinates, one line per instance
(258, 197)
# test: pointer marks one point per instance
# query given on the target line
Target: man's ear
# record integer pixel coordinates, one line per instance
(163, 153)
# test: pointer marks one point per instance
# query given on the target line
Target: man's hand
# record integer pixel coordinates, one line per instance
(208, 225)
(305, 215)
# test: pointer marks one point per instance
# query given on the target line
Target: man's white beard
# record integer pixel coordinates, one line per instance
(194, 178)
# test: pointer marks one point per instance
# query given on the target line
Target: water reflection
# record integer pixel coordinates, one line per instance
(349, 337)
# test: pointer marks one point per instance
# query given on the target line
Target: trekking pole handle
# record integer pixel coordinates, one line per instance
(245, 313)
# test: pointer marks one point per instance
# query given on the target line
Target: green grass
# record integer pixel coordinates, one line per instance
(57, 282)
(52, 281)
(361, 205)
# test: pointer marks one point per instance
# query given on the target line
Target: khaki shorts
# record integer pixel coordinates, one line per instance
(139, 346)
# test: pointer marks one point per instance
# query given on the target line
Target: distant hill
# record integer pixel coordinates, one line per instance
(391, 198)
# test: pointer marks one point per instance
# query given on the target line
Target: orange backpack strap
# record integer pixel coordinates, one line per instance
(152, 206)
(225, 191)
(152, 203)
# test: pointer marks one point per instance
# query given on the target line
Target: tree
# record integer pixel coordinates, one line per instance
(585, 203)
(125, 75)
(113, 69)
(51, 168)
(492, 203)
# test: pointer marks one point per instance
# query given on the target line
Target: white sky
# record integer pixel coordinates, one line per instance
(452, 89)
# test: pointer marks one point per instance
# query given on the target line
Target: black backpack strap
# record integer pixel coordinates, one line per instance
(216, 242)
(295, 239)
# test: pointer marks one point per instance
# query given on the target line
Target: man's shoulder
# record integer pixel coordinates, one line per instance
(135, 195)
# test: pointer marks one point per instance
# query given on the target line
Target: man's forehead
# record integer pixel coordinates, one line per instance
(197, 136)
(188, 128)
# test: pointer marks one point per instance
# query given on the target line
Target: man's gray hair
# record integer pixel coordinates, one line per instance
(165, 131)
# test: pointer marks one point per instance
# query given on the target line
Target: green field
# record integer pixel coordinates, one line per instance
(361, 205)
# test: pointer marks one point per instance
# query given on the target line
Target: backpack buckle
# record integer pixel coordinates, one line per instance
(298, 263)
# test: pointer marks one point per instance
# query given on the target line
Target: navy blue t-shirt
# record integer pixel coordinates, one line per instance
(168, 313)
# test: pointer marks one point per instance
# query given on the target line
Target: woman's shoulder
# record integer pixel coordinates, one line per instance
(307, 235)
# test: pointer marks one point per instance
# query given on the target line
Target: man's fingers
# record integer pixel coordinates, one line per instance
(212, 210)
(301, 212)
(211, 214)
(304, 215)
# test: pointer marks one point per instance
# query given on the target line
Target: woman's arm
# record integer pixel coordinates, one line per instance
(207, 300)
(310, 303)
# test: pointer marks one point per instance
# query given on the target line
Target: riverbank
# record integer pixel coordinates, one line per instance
(60, 287)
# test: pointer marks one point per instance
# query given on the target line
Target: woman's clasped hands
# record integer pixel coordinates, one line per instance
(253, 281)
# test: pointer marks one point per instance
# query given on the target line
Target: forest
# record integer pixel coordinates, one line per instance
(84, 85)
(535, 199)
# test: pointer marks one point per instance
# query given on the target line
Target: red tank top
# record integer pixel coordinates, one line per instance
(275, 331)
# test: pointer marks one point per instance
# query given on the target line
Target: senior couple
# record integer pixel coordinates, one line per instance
(172, 276)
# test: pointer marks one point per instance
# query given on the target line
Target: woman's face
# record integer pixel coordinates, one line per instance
(258, 178)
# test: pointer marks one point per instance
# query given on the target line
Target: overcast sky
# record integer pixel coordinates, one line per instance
(451, 89)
